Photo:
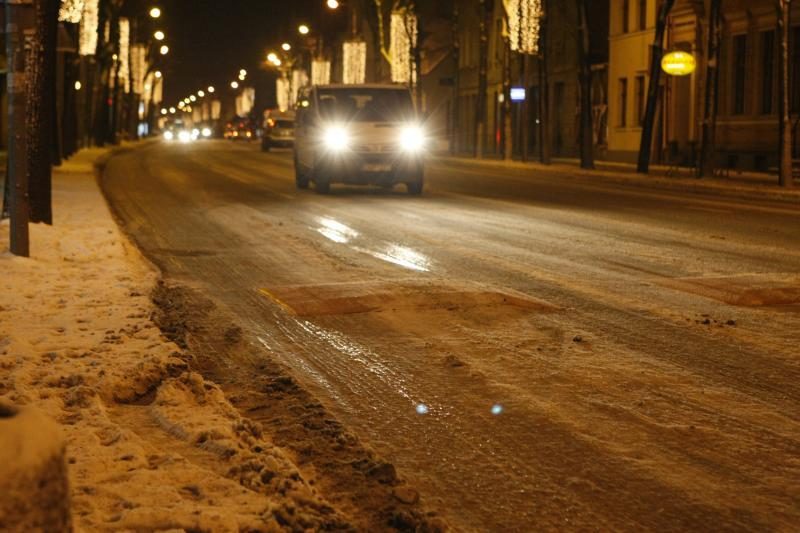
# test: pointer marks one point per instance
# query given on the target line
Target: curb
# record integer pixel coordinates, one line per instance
(686, 185)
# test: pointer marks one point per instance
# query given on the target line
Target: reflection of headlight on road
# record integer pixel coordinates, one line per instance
(206, 132)
(168, 135)
(185, 137)
(412, 139)
(336, 138)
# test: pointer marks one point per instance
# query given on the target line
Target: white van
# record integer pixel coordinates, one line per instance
(358, 135)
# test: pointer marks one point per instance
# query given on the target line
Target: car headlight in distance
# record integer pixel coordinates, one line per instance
(412, 139)
(185, 137)
(168, 135)
(206, 132)
(336, 138)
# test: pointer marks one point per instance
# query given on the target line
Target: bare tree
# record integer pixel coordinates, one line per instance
(485, 14)
(656, 54)
(784, 24)
(586, 122)
(41, 110)
(708, 141)
(456, 115)
(544, 84)
(16, 185)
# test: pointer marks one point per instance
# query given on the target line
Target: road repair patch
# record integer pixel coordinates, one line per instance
(404, 295)
(751, 290)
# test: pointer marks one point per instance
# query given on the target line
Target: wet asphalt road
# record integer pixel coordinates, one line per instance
(530, 351)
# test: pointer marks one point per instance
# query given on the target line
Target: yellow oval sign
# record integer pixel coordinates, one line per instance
(678, 63)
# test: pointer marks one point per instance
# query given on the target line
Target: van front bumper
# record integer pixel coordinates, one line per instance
(370, 168)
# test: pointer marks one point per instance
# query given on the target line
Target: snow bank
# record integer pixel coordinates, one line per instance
(150, 445)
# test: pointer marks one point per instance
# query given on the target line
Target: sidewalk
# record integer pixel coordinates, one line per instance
(150, 445)
(744, 185)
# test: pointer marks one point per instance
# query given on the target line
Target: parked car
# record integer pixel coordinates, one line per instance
(358, 135)
(278, 130)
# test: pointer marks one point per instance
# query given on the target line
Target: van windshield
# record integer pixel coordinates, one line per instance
(366, 105)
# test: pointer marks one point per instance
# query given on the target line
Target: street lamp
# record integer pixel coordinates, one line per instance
(172, 110)
(193, 98)
(159, 35)
(333, 4)
(164, 50)
(286, 47)
(304, 30)
(157, 74)
(272, 57)
(201, 94)
(211, 89)
(155, 13)
(234, 84)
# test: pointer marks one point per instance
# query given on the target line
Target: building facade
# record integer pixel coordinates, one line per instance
(747, 132)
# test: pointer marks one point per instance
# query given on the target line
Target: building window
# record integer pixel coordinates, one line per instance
(643, 14)
(640, 100)
(768, 72)
(623, 102)
(739, 73)
(626, 15)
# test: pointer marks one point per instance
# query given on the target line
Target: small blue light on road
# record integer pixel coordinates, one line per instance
(497, 409)
(422, 409)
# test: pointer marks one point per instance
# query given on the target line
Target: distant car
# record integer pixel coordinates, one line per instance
(358, 134)
(278, 131)
(239, 130)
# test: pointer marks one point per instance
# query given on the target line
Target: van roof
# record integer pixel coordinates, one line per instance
(385, 86)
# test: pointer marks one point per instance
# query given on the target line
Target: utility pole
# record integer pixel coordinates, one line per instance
(656, 54)
(587, 123)
(708, 141)
(784, 26)
(486, 12)
(17, 12)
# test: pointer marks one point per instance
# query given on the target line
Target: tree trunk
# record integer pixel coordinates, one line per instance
(486, 17)
(708, 141)
(544, 84)
(656, 54)
(456, 118)
(784, 27)
(41, 110)
(508, 134)
(587, 123)
(17, 174)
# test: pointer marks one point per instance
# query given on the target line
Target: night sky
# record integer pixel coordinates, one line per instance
(210, 40)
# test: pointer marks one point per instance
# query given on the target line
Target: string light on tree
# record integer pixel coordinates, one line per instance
(88, 30)
(524, 25)
(403, 39)
(355, 62)
(71, 11)
(124, 52)
(320, 72)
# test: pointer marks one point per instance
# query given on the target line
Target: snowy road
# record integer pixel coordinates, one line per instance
(530, 352)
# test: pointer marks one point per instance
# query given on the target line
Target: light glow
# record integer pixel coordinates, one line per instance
(78, 86)
(164, 50)
(206, 132)
(336, 138)
(286, 47)
(403, 39)
(412, 139)
(155, 13)
(524, 24)
(159, 35)
(71, 11)
(234, 85)
(304, 30)
(168, 135)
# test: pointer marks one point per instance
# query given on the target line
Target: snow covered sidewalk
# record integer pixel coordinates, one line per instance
(150, 445)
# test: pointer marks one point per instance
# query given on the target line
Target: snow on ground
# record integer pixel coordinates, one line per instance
(150, 444)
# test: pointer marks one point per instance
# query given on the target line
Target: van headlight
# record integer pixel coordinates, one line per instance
(206, 132)
(412, 139)
(168, 135)
(185, 136)
(336, 138)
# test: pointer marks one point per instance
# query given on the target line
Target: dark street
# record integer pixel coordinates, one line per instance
(531, 351)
